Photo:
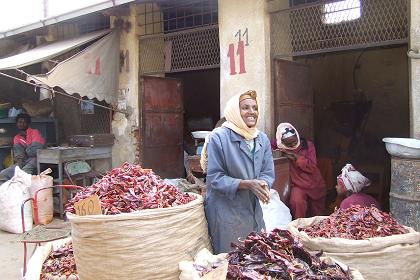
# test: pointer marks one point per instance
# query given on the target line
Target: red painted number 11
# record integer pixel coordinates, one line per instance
(241, 53)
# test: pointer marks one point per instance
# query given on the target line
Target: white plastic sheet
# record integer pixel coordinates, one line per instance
(92, 72)
(45, 52)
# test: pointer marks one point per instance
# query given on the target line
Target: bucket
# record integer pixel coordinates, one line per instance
(405, 191)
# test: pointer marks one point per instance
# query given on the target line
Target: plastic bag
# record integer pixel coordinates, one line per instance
(44, 214)
(276, 214)
(13, 112)
(12, 194)
(204, 258)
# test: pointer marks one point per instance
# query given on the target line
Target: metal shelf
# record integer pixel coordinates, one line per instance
(34, 120)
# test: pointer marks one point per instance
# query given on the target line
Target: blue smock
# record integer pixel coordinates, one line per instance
(232, 213)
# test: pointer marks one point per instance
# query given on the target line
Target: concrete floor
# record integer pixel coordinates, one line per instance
(11, 254)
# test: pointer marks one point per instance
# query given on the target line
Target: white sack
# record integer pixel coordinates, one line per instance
(12, 194)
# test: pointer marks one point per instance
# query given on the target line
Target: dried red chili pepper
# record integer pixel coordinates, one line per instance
(131, 188)
(278, 255)
(60, 263)
(357, 223)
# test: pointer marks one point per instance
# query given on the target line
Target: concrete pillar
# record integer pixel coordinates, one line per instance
(126, 127)
(248, 21)
(414, 65)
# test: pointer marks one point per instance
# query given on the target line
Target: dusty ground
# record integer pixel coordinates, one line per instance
(11, 254)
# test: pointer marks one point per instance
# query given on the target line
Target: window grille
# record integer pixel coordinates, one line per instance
(97, 122)
(187, 50)
(156, 17)
(326, 26)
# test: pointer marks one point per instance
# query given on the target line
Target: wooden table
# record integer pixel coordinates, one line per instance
(61, 155)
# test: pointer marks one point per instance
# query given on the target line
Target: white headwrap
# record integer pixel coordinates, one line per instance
(234, 122)
(283, 131)
(352, 180)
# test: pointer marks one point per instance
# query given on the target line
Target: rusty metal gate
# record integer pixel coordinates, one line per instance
(326, 26)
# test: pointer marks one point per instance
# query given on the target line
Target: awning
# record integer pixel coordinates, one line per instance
(46, 52)
(93, 72)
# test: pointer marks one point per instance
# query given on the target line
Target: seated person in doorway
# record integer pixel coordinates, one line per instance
(349, 183)
(307, 195)
(25, 145)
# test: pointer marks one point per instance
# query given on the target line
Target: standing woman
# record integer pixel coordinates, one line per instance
(240, 171)
(307, 195)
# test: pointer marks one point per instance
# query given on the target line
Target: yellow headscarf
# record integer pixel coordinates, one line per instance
(234, 122)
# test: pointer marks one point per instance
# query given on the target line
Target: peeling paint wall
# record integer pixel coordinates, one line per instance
(126, 128)
(247, 20)
(415, 70)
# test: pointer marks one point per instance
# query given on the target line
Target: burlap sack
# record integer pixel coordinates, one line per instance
(147, 244)
(392, 257)
(44, 208)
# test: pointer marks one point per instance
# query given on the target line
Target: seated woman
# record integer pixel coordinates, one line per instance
(307, 185)
(349, 183)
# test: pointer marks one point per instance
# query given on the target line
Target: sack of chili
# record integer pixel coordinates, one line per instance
(51, 261)
(366, 239)
(143, 233)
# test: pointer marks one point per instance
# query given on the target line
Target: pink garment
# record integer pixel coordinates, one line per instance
(359, 199)
(302, 205)
(304, 173)
(32, 136)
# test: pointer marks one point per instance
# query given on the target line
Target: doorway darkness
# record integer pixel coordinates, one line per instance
(201, 97)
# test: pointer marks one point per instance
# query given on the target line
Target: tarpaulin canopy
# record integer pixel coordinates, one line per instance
(49, 51)
(92, 72)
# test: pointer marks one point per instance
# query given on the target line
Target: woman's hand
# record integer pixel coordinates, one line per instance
(258, 187)
(290, 155)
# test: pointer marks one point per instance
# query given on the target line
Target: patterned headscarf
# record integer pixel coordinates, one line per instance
(352, 180)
